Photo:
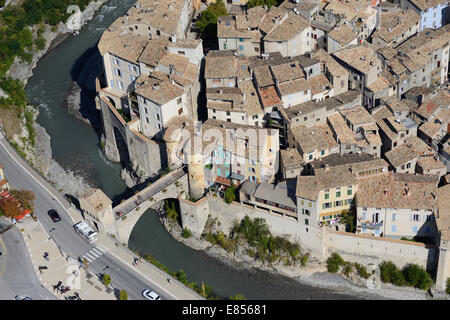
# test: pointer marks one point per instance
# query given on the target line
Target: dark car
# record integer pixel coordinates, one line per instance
(54, 215)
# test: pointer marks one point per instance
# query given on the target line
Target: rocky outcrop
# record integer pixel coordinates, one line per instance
(42, 149)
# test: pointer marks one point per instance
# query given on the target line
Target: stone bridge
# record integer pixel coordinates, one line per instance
(128, 212)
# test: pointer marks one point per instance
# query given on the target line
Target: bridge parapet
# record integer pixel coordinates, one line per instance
(138, 199)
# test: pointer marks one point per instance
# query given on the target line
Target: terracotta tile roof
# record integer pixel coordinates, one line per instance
(431, 163)
(287, 71)
(289, 28)
(381, 112)
(443, 213)
(270, 20)
(293, 86)
(343, 34)
(395, 23)
(291, 158)
(343, 133)
(357, 115)
(360, 57)
(153, 52)
(380, 84)
(398, 190)
(413, 148)
(433, 126)
(314, 138)
(220, 64)
(309, 186)
(157, 90)
(126, 46)
(269, 96)
(319, 84)
(263, 76)
(332, 65)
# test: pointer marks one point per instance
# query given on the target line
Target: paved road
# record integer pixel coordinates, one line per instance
(70, 242)
(17, 275)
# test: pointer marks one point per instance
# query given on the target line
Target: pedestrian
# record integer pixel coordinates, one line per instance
(168, 280)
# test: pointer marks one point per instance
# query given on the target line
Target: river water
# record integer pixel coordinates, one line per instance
(75, 147)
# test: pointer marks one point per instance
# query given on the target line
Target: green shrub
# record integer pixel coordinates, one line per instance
(417, 276)
(448, 286)
(391, 274)
(40, 43)
(348, 268)
(106, 279)
(238, 296)
(230, 194)
(334, 262)
(362, 270)
(186, 233)
(304, 260)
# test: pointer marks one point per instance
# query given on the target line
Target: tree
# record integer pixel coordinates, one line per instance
(11, 207)
(334, 262)
(255, 3)
(390, 273)
(207, 22)
(106, 279)
(230, 194)
(417, 276)
(25, 197)
(123, 295)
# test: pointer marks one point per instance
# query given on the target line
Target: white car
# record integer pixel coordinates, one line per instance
(150, 295)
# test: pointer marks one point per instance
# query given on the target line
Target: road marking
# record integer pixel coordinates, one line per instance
(96, 251)
(96, 255)
(4, 263)
(88, 257)
(102, 249)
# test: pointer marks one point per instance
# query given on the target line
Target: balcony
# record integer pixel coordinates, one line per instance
(372, 225)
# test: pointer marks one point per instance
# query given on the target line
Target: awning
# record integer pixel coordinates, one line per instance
(224, 181)
(237, 176)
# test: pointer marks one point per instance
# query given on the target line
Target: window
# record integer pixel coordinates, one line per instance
(307, 222)
(327, 196)
(147, 120)
(414, 229)
(415, 217)
(338, 194)
(326, 205)
(179, 100)
(394, 217)
(349, 192)
(241, 48)
(310, 157)
(342, 83)
(180, 111)
(158, 33)
(394, 228)
(156, 116)
(241, 39)
(117, 72)
(228, 113)
(181, 53)
(322, 152)
(338, 203)
(408, 165)
(307, 212)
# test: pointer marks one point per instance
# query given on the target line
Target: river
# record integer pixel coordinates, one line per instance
(75, 147)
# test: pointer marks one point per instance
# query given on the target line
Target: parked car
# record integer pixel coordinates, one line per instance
(54, 215)
(150, 295)
(19, 297)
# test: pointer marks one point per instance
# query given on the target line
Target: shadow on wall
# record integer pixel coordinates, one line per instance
(84, 71)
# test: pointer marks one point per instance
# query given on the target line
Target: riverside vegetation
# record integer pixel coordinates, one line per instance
(21, 30)
(412, 275)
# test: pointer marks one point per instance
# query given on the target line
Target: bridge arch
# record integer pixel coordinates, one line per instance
(128, 213)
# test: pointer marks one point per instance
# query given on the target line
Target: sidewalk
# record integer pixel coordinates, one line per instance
(60, 267)
(145, 269)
